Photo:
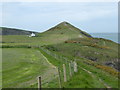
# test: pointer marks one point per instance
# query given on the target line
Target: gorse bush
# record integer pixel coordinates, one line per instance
(102, 67)
(108, 69)
(86, 42)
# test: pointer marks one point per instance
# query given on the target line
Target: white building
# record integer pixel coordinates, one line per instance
(32, 35)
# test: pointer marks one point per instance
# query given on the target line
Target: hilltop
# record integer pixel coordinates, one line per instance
(13, 31)
(67, 29)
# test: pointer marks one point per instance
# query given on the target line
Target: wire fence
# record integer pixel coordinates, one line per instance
(66, 69)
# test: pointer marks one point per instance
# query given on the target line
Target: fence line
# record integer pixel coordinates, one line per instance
(68, 67)
(72, 65)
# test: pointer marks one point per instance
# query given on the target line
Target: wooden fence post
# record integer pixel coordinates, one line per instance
(64, 71)
(75, 66)
(59, 78)
(70, 69)
(39, 83)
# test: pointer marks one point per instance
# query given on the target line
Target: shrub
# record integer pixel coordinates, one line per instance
(108, 69)
(105, 68)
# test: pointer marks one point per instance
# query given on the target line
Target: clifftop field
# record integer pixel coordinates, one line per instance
(26, 58)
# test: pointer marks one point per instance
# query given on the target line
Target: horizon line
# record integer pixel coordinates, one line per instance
(47, 29)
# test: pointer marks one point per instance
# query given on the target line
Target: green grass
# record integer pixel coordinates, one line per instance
(21, 67)
(41, 40)
(23, 64)
(111, 80)
(79, 79)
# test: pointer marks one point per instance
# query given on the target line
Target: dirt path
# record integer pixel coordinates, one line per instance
(51, 72)
(98, 78)
(48, 61)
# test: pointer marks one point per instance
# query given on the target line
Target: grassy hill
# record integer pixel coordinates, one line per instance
(102, 51)
(57, 34)
(25, 58)
(62, 32)
(12, 31)
(65, 28)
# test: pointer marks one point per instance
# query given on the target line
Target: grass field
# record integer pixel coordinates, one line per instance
(21, 67)
(21, 70)
(41, 40)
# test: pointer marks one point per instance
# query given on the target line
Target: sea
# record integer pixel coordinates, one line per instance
(110, 36)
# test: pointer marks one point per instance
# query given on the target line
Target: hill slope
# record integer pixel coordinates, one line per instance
(12, 31)
(102, 51)
(66, 31)
(66, 28)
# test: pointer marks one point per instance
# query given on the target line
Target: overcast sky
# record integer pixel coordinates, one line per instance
(40, 16)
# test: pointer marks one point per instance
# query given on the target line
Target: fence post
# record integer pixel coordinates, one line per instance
(70, 69)
(64, 71)
(59, 78)
(75, 66)
(39, 83)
